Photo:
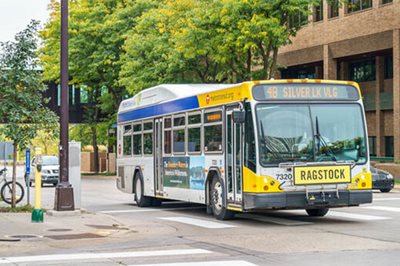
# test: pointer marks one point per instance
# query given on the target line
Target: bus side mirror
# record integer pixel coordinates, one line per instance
(238, 116)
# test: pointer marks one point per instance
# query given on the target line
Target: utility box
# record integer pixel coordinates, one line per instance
(74, 159)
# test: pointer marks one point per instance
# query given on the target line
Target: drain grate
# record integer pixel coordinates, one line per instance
(74, 236)
(24, 236)
(59, 230)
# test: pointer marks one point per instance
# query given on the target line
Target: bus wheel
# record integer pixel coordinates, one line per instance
(141, 200)
(317, 212)
(216, 199)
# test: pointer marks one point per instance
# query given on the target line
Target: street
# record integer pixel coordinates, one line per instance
(179, 233)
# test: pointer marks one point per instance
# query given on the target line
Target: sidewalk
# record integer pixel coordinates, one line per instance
(17, 231)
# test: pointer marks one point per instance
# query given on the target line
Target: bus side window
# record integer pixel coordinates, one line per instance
(127, 140)
(250, 145)
(179, 134)
(213, 131)
(194, 133)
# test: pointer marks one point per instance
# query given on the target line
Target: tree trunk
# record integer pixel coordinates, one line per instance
(14, 175)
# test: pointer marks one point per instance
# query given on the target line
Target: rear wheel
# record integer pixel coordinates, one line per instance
(317, 212)
(6, 192)
(141, 200)
(216, 199)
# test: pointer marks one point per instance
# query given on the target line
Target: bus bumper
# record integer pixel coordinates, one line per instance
(298, 200)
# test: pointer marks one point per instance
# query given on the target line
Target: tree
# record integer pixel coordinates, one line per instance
(21, 100)
(97, 31)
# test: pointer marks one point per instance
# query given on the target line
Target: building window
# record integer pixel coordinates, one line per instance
(372, 146)
(319, 11)
(386, 1)
(389, 146)
(299, 73)
(334, 9)
(389, 67)
(361, 71)
(84, 94)
(298, 19)
(357, 5)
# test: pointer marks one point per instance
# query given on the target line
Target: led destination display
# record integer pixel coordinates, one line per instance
(305, 91)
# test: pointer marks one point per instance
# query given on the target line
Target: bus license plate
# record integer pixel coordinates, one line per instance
(314, 175)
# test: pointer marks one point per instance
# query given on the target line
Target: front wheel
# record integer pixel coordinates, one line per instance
(317, 212)
(6, 192)
(385, 190)
(141, 200)
(216, 199)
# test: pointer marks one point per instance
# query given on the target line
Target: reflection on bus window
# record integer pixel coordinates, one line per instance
(213, 138)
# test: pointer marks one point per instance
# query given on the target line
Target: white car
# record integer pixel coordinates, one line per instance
(50, 170)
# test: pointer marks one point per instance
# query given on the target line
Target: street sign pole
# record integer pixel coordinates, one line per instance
(64, 198)
(27, 173)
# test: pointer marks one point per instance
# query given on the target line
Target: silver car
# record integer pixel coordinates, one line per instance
(50, 170)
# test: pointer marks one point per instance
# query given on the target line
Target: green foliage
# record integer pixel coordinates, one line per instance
(22, 104)
(25, 209)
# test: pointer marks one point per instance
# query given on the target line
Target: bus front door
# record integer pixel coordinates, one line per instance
(234, 160)
(158, 162)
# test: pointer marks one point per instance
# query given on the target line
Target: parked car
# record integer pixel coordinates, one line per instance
(382, 180)
(50, 170)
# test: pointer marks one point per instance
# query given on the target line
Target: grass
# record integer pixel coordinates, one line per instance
(24, 209)
(397, 182)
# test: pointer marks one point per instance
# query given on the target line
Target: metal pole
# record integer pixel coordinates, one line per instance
(64, 200)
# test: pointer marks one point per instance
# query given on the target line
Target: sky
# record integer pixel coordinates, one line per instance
(15, 15)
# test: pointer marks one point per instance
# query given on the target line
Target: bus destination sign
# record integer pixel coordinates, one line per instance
(305, 91)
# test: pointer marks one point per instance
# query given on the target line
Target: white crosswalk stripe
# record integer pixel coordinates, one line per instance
(204, 263)
(385, 199)
(99, 256)
(383, 208)
(356, 216)
(198, 222)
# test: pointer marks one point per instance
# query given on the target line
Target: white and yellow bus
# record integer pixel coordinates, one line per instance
(276, 144)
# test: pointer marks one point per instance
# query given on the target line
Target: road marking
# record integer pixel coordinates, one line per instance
(355, 216)
(383, 208)
(198, 222)
(151, 210)
(385, 199)
(97, 256)
(275, 220)
(204, 263)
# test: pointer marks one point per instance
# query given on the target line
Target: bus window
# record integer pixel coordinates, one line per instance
(167, 135)
(137, 139)
(127, 140)
(213, 131)
(194, 133)
(250, 143)
(179, 134)
(148, 138)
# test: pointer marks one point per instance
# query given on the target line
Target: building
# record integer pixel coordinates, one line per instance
(357, 41)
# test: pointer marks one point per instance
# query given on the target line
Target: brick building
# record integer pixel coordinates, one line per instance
(359, 41)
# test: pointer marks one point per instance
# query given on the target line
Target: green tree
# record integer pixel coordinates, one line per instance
(21, 100)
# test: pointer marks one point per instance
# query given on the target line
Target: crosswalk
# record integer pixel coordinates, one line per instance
(105, 257)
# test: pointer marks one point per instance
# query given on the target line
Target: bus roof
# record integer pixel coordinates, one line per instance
(170, 98)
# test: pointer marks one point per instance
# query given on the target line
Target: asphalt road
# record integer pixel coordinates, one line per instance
(183, 234)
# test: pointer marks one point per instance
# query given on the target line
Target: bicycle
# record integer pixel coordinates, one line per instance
(6, 189)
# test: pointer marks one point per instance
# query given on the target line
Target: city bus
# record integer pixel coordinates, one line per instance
(257, 145)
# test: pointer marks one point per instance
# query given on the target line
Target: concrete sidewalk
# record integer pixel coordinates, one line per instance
(17, 231)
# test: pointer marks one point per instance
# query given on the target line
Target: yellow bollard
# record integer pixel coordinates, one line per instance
(37, 214)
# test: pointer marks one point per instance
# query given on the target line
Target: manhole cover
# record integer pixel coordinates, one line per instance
(74, 236)
(59, 230)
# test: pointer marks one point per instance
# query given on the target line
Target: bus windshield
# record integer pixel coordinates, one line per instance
(310, 133)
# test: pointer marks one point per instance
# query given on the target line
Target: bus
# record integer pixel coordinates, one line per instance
(257, 145)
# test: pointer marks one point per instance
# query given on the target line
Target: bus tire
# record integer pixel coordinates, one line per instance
(140, 198)
(217, 195)
(155, 202)
(317, 212)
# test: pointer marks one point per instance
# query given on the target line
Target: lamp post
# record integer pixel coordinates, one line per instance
(64, 197)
